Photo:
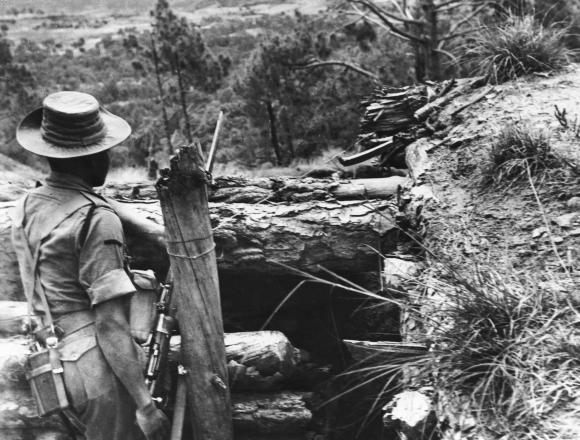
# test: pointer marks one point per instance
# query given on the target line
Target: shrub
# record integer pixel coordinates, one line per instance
(519, 146)
(518, 47)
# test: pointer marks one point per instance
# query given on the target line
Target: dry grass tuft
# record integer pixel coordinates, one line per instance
(520, 146)
(516, 48)
(504, 342)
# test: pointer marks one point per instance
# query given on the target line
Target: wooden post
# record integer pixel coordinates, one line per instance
(183, 195)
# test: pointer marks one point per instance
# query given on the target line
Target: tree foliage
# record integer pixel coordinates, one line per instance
(182, 49)
(298, 106)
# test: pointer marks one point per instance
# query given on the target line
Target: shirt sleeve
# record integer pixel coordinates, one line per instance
(101, 266)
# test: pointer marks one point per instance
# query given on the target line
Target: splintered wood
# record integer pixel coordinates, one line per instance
(183, 196)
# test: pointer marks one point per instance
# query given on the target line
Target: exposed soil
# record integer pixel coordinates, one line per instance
(505, 226)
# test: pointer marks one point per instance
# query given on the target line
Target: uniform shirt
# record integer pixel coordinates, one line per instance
(76, 274)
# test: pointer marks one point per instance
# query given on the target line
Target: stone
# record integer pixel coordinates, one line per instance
(568, 220)
(538, 232)
(412, 414)
(396, 272)
(573, 204)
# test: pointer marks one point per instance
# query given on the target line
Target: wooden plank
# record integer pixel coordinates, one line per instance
(183, 195)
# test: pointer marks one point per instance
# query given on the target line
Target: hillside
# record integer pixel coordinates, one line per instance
(506, 255)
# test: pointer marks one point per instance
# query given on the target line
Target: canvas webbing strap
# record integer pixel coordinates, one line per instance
(29, 261)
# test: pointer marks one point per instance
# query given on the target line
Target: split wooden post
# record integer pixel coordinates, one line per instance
(183, 195)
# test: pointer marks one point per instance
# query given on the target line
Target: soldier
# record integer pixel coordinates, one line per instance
(69, 243)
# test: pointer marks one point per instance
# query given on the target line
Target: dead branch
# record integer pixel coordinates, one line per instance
(350, 66)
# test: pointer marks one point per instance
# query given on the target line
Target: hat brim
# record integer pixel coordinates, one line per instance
(28, 135)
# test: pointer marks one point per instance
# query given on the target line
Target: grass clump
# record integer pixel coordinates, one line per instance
(503, 342)
(518, 47)
(520, 146)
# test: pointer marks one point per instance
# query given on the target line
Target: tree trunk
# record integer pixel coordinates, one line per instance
(196, 294)
(182, 98)
(161, 95)
(273, 189)
(433, 58)
(288, 133)
(274, 133)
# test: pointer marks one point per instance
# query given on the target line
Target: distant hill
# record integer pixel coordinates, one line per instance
(116, 6)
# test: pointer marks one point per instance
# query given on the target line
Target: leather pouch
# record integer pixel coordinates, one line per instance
(142, 310)
(44, 373)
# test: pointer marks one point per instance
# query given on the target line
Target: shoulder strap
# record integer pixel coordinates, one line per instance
(96, 201)
(27, 259)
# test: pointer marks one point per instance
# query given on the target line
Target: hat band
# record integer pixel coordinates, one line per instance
(71, 132)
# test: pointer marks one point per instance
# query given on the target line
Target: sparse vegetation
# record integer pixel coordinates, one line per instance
(520, 146)
(504, 343)
(518, 47)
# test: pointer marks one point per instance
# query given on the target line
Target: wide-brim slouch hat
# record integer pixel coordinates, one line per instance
(71, 124)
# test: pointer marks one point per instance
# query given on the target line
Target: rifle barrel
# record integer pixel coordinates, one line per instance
(214, 142)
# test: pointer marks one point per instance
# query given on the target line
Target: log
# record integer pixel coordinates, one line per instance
(190, 245)
(258, 238)
(263, 361)
(273, 189)
(252, 238)
(257, 361)
(267, 413)
(279, 413)
(417, 159)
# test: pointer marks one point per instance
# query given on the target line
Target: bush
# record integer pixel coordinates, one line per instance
(518, 47)
(518, 147)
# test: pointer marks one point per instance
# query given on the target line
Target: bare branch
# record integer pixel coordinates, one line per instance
(460, 23)
(449, 55)
(454, 6)
(448, 3)
(354, 67)
(385, 20)
(458, 34)
(399, 8)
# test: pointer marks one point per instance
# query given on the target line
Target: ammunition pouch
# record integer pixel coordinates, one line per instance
(143, 301)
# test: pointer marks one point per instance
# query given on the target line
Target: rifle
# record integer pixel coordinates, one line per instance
(159, 338)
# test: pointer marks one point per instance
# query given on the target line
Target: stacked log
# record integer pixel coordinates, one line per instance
(260, 364)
